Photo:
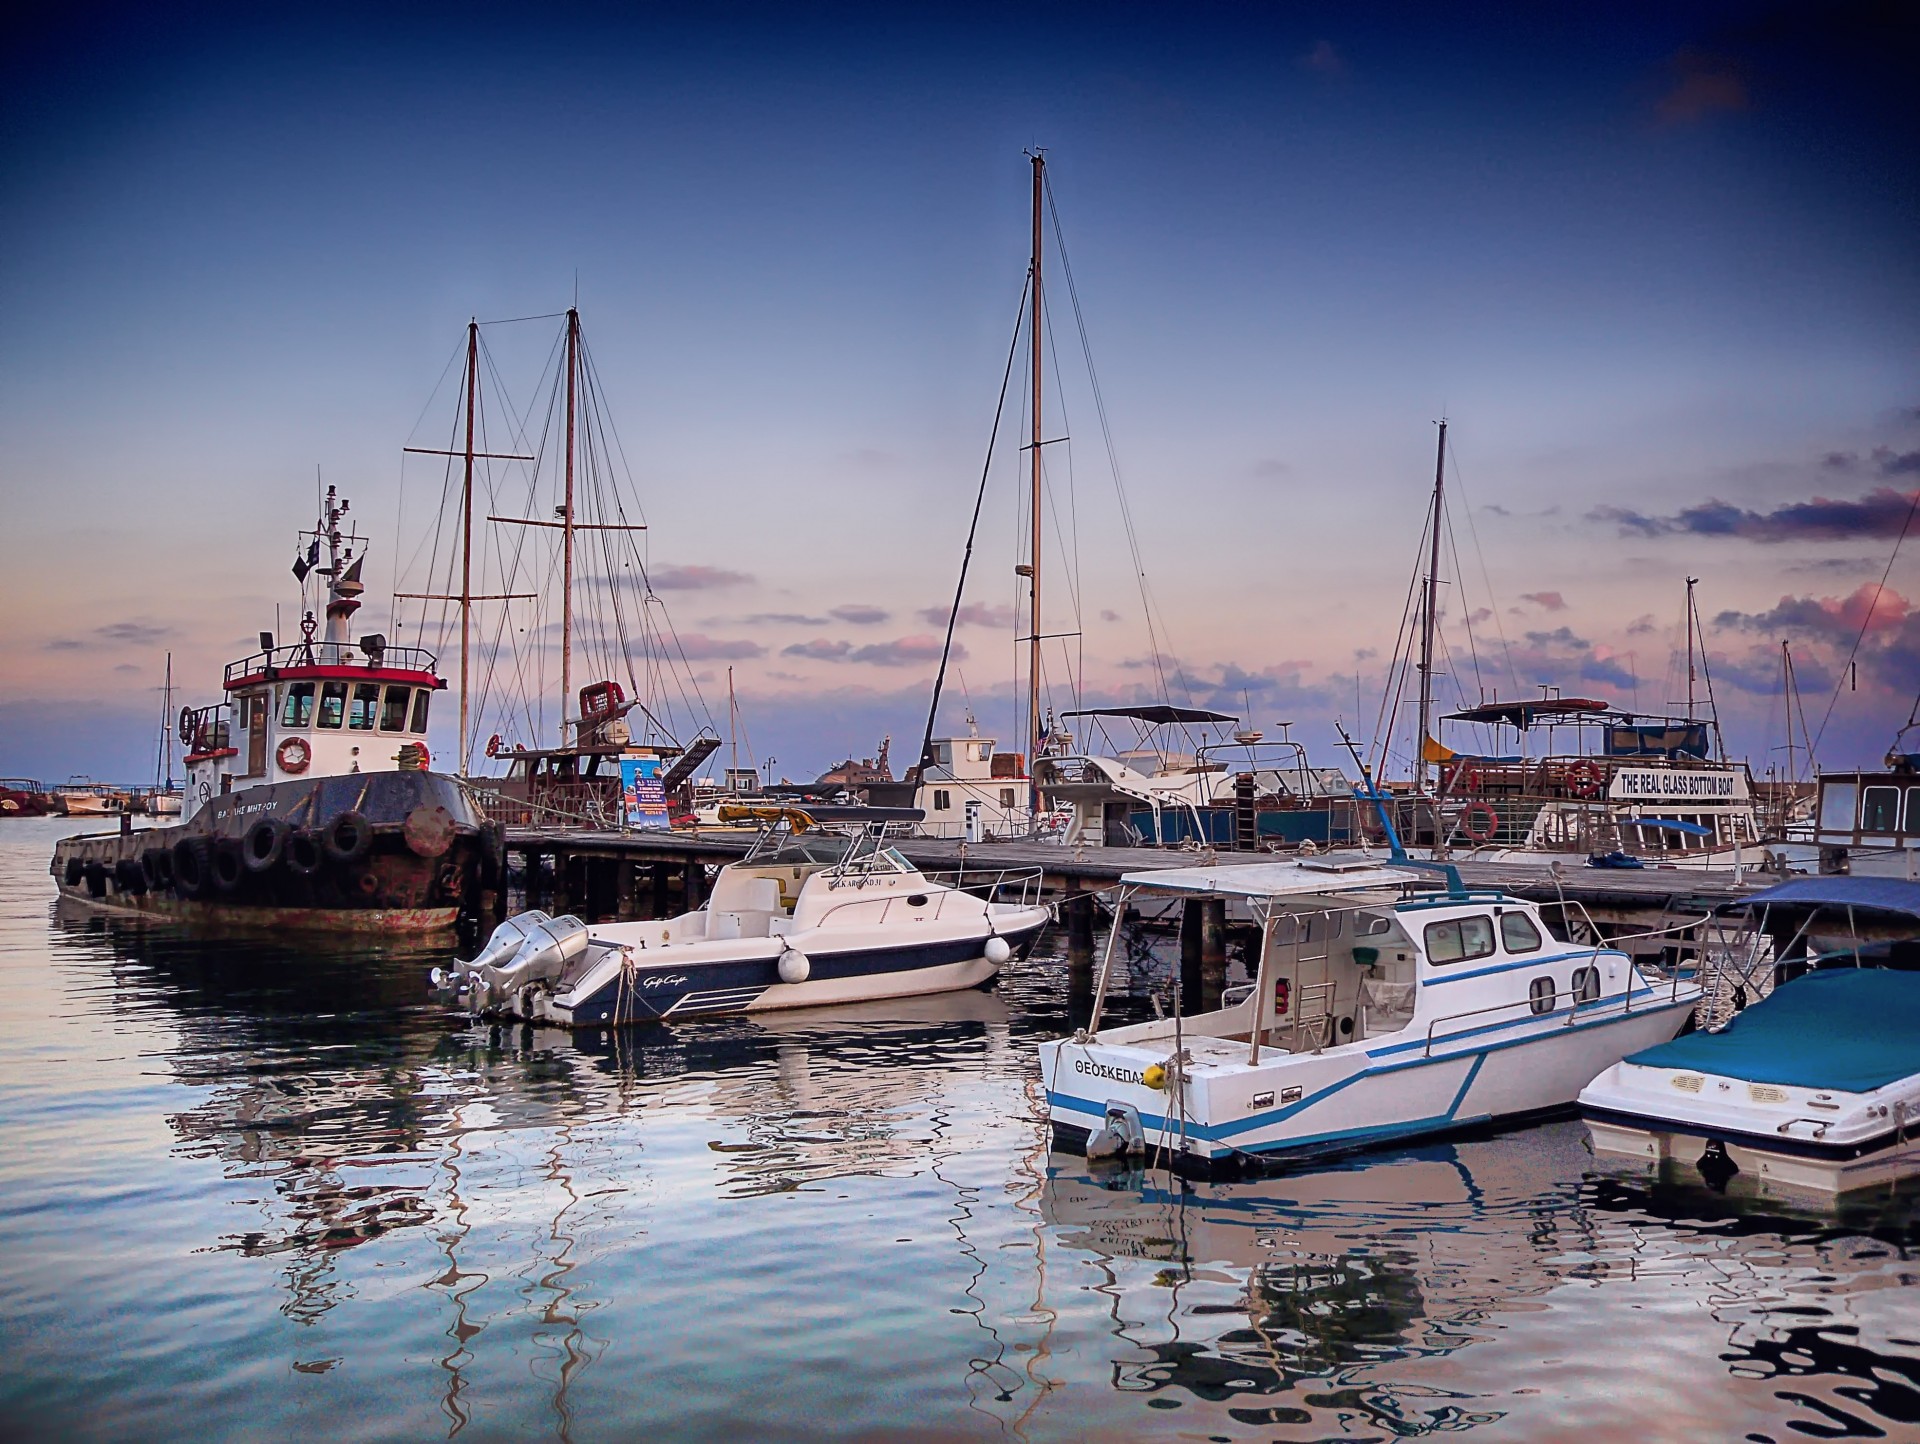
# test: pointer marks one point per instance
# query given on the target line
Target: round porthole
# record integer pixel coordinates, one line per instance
(917, 900)
(1346, 1027)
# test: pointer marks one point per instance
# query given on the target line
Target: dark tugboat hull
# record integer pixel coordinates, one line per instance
(392, 853)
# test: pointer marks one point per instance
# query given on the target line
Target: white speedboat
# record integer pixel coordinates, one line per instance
(809, 917)
(1380, 1010)
(1813, 1088)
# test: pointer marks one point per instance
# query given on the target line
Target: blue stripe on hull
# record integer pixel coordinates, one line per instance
(732, 987)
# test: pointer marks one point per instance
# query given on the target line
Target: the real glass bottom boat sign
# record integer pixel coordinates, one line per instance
(1662, 784)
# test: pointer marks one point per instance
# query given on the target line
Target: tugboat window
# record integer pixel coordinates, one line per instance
(1006, 799)
(333, 703)
(1518, 933)
(1880, 809)
(1913, 809)
(1459, 939)
(420, 700)
(393, 715)
(299, 711)
(366, 702)
(941, 800)
(1540, 995)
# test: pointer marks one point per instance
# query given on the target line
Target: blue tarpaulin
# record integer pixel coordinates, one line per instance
(1881, 894)
(1846, 1029)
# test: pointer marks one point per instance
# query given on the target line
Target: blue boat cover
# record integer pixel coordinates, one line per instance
(1882, 894)
(1846, 1029)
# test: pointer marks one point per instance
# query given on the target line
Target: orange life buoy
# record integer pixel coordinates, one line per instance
(1479, 822)
(494, 744)
(293, 755)
(1467, 779)
(1584, 779)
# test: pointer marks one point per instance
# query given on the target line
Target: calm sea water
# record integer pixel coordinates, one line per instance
(248, 1191)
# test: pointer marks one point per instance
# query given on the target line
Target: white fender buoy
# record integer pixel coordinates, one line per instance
(794, 966)
(998, 950)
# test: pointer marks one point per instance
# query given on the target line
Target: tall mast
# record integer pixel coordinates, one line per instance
(466, 536)
(1786, 700)
(1428, 617)
(733, 745)
(566, 533)
(1691, 581)
(1033, 566)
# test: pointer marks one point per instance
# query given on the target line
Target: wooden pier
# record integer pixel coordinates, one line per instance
(607, 876)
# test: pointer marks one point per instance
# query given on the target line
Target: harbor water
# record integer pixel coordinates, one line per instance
(254, 1190)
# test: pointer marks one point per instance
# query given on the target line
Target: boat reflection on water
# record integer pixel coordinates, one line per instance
(852, 1215)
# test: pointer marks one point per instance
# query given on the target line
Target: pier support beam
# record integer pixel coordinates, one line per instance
(1078, 909)
(660, 904)
(1190, 971)
(562, 883)
(626, 901)
(1213, 952)
(696, 885)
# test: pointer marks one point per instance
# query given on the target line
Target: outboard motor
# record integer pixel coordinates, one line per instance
(527, 949)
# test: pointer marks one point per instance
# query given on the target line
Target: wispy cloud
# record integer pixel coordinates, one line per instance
(1882, 512)
(1834, 618)
(695, 578)
(113, 635)
(860, 615)
(1700, 84)
(901, 652)
(699, 647)
(1546, 601)
(973, 614)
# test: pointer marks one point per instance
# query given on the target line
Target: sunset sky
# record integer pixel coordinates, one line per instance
(1659, 267)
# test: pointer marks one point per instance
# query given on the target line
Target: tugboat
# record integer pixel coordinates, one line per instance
(309, 805)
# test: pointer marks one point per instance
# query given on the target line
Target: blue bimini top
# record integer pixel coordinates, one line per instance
(1846, 1029)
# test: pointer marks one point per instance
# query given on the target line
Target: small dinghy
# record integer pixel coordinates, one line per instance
(1813, 1088)
(821, 911)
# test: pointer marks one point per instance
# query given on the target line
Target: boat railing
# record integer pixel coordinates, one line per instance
(1018, 886)
(330, 654)
(1587, 994)
(561, 804)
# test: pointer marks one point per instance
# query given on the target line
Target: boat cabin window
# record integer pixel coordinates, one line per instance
(1371, 925)
(333, 704)
(1518, 934)
(1459, 939)
(1006, 798)
(393, 713)
(1913, 810)
(299, 709)
(1540, 994)
(1880, 809)
(942, 799)
(366, 702)
(1586, 984)
(420, 700)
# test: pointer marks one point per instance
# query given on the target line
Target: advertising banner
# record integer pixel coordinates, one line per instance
(644, 800)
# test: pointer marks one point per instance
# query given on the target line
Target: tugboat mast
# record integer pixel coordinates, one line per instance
(1034, 738)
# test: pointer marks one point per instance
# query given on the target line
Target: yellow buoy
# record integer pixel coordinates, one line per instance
(1155, 1076)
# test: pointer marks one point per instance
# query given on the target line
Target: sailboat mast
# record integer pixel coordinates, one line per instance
(1033, 566)
(1786, 700)
(566, 531)
(1428, 617)
(466, 535)
(1691, 582)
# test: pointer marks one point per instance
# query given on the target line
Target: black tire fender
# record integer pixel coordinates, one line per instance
(305, 854)
(265, 844)
(129, 877)
(349, 837)
(227, 865)
(156, 865)
(193, 866)
(96, 876)
(75, 870)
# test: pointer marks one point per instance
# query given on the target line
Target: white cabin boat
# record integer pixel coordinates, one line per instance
(809, 917)
(1379, 1011)
(968, 790)
(1812, 1088)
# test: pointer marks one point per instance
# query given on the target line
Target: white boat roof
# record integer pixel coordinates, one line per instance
(1277, 879)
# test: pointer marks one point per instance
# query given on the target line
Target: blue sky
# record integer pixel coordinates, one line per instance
(1646, 260)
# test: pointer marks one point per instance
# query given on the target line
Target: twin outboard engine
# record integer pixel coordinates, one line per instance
(530, 948)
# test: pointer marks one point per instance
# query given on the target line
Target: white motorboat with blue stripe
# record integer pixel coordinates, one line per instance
(1381, 1009)
(821, 911)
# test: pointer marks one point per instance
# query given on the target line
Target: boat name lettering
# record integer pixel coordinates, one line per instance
(1655, 784)
(1103, 1070)
(668, 980)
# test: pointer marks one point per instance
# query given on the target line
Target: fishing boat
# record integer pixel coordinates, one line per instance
(1380, 1009)
(83, 797)
(1867, 823)
(1814, 1084)
(308, 803)
(820, 911)
(24, 797)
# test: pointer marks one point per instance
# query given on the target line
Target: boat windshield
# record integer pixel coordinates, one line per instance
(776, 845)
